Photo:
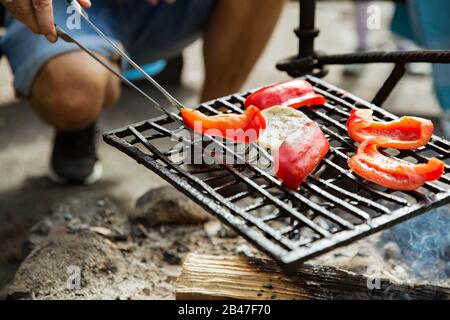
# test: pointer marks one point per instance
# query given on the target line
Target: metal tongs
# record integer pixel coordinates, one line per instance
(68, 38)
(172, 100)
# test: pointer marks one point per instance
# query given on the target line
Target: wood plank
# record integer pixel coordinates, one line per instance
(226, 277)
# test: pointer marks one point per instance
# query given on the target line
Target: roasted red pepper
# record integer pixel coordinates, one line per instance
(390, 172)
(295, 93)
(244, 128)
(404, 133)
(300, 154)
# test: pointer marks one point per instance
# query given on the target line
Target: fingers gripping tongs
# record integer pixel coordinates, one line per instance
(68, 38)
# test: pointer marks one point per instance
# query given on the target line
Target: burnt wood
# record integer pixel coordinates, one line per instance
(222, 277)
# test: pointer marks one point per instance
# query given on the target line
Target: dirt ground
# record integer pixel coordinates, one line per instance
(27, 197)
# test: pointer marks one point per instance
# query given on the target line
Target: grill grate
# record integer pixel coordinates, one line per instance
(332, 208)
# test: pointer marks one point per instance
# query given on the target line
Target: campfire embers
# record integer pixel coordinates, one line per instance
(333, 208)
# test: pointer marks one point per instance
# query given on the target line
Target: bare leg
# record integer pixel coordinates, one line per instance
(236, 36)
(71, 90)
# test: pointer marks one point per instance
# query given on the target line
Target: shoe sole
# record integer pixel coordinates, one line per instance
(94, 177)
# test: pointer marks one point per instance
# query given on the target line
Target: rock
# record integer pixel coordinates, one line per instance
(43, 228)
(244, 250)
(68, 216)
(167, 206)
(391, 251)
(75, 225)
(38, 232)
(172, 272)
(212, 228)
(76, 214)
(60, 263)
(101, 203)
(215, 228)
(146, 291)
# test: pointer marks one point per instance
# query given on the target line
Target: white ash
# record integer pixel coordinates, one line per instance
(127, 260)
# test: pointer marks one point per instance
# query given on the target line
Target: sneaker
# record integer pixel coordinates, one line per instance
(74, 158)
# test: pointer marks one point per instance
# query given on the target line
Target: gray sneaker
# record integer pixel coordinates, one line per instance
(74, 158)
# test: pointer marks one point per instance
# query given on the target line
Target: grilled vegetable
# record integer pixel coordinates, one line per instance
(297, 141)
(294, 93)
(392, 173)
(281, 123)
(244, 128)
(405, 133)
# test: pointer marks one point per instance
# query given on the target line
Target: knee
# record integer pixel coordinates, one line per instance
(70, 108)
(70, 94)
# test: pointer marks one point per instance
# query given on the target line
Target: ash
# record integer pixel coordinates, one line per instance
(90, 249)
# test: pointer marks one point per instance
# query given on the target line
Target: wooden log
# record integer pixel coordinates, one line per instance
(224, 277)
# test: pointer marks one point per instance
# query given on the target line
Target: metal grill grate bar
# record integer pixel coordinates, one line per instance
(332, 208)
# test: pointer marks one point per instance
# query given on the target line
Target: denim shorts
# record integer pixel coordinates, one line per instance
(147, 32)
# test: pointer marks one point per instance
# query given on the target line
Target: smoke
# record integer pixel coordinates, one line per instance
(425, 244)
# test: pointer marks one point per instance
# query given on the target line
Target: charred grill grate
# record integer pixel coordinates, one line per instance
(332, 208)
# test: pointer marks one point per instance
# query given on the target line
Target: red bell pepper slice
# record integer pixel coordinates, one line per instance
(390, 172)
(295, 93)
(244, 128)
(300, 154)
(404, 133)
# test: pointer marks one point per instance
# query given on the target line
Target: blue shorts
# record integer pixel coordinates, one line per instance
(147, 32)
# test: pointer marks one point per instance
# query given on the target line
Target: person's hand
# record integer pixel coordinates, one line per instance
(37, 15)
(156, 2)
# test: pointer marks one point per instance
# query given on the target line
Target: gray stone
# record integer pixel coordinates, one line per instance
(74, 214)
(47, 271)
(244, 250)
(212, 228)
(391, 251)
(167, 206)
(215, 228)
